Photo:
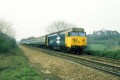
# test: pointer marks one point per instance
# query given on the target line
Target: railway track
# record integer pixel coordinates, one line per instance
(106, 66)
(104, 60)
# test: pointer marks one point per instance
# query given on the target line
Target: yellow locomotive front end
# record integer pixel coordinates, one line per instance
(76, 40)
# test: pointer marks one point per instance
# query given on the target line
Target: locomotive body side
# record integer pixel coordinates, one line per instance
(56, 40)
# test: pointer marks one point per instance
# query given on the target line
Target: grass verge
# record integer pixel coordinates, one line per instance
(108, 54)
(14, 66)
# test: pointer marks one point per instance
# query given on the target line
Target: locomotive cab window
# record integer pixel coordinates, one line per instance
(76, 33)
(82, 34)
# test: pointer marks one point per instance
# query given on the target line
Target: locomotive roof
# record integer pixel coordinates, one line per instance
(76, 29)
(70, 29)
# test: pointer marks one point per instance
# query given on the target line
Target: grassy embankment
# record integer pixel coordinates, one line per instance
(14, 66)
(103, 51)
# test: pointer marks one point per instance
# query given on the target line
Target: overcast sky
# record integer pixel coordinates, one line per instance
(31, 17)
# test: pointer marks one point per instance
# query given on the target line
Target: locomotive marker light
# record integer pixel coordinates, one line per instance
(58, 40)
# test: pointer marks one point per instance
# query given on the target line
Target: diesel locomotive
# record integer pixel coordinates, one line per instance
(70, 40)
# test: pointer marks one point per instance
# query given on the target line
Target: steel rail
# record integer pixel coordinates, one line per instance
(102, 59)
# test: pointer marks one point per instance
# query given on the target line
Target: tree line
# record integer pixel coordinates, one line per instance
(106, 37)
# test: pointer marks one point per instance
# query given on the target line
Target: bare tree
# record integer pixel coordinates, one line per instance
(59, 26)
(5, 27)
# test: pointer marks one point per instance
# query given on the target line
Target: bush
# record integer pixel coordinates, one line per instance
(6, 43)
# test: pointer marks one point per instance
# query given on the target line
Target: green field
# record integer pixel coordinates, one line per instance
(103, 51)
(16, 67)
(97, 47)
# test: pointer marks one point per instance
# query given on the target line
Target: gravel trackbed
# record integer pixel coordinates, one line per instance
(55, 68)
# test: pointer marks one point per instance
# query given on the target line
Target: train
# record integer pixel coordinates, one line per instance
(72, 40)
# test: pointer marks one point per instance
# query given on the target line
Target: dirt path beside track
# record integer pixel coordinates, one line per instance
(54, 68)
